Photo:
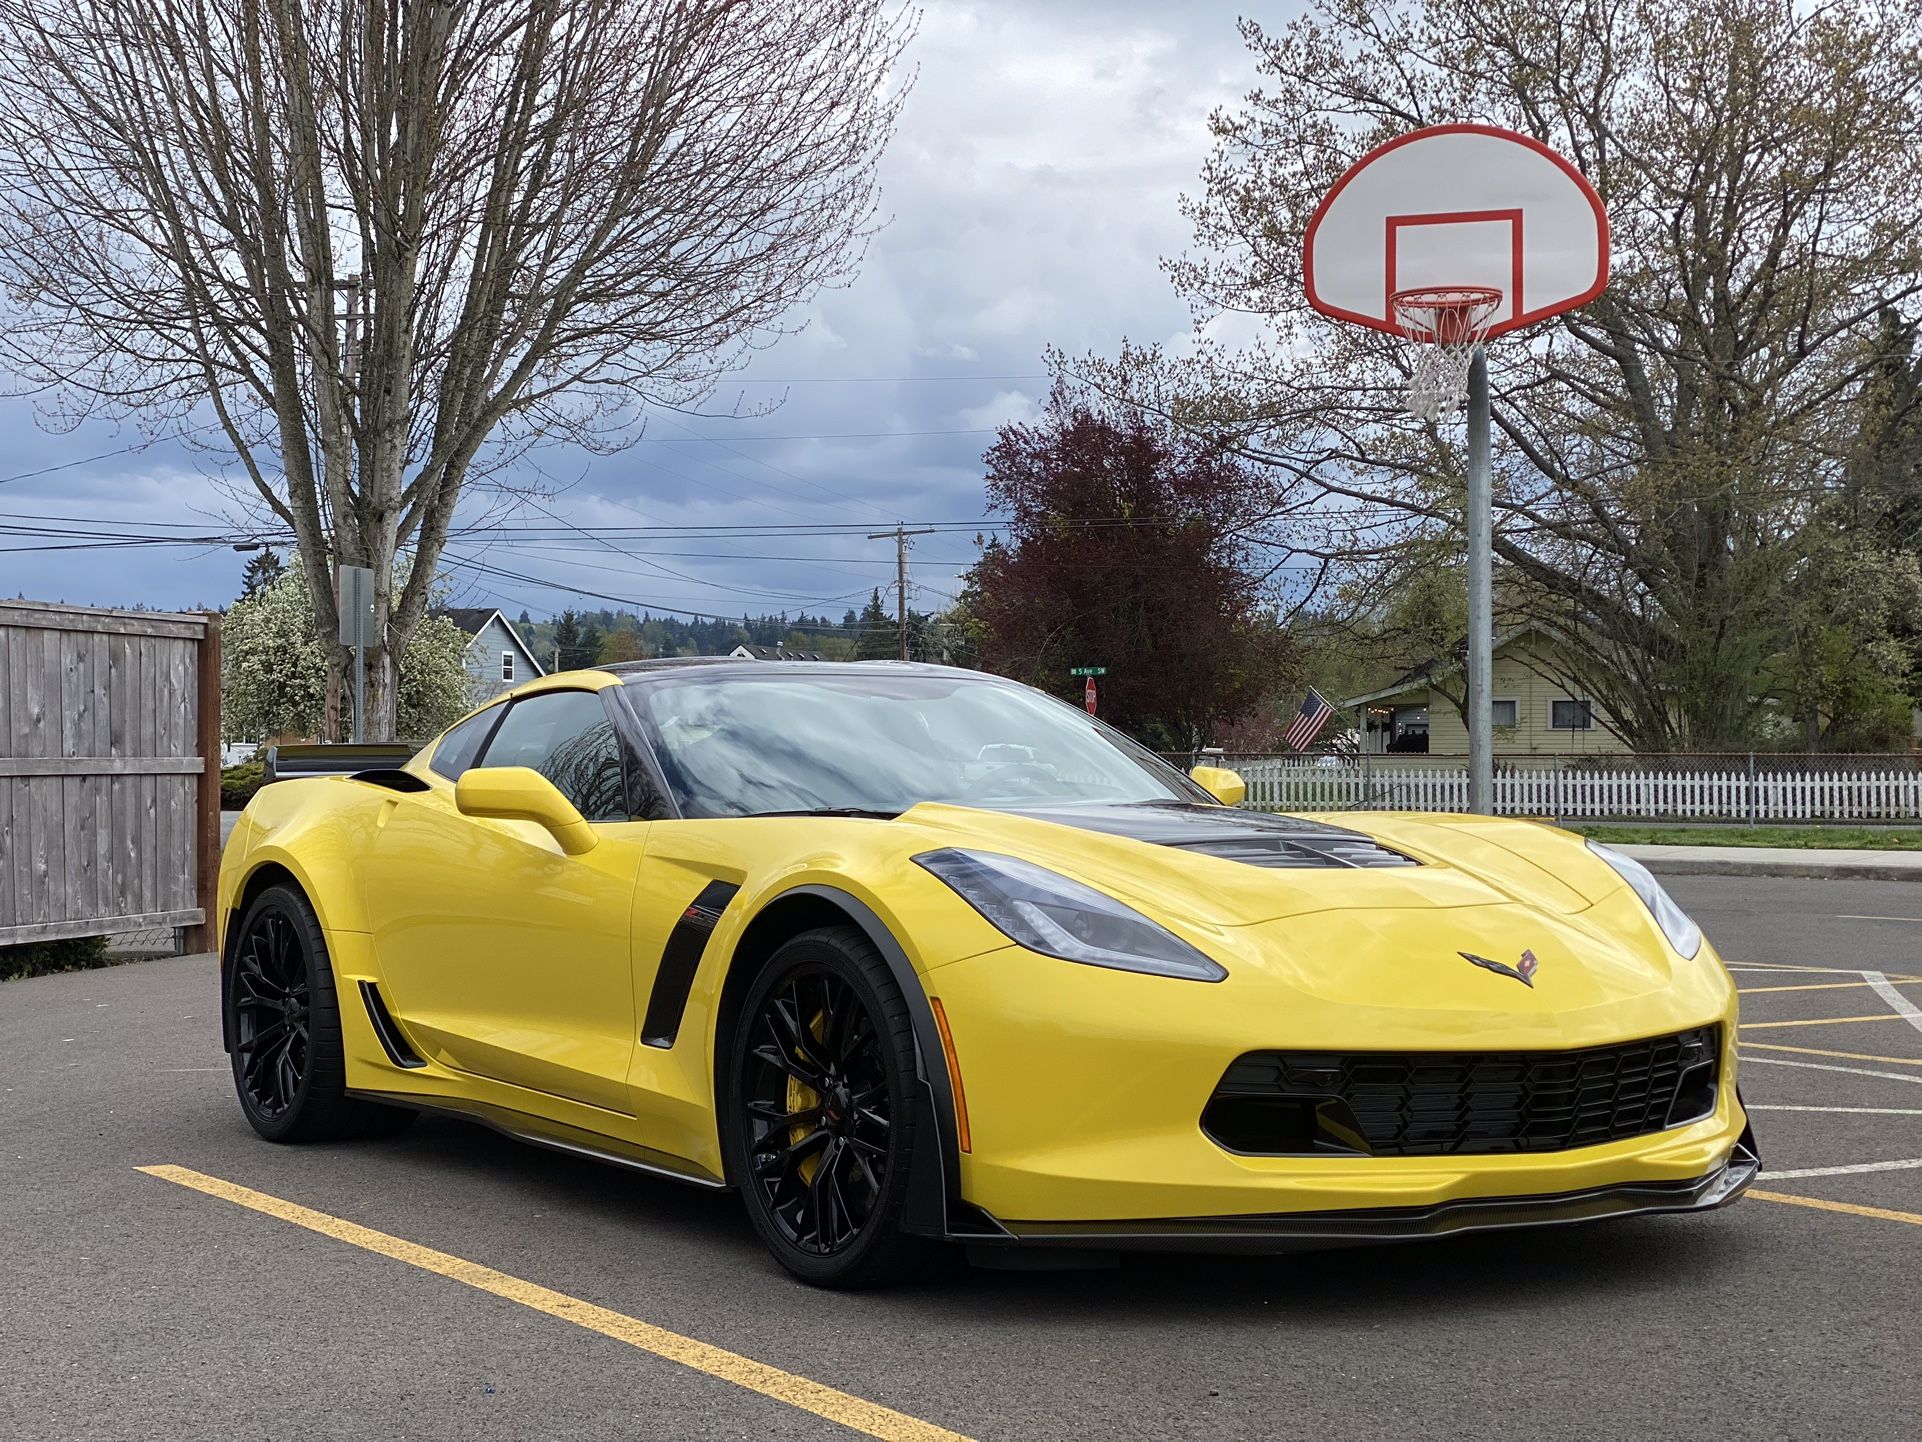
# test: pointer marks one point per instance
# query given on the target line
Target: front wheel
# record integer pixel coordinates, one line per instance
(820, 1127)
(284, 1022)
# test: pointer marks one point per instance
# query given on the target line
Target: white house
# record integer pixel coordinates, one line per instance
(497, 657)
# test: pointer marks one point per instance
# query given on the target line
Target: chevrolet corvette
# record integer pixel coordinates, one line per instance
(916, 958)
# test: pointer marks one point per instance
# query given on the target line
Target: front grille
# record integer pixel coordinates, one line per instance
(1408, 1104)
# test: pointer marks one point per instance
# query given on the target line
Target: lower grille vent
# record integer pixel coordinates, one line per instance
(1405, 1104)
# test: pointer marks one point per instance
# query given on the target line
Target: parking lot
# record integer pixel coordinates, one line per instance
(451, 1283)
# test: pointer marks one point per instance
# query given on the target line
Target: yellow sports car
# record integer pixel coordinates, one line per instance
(914, 957)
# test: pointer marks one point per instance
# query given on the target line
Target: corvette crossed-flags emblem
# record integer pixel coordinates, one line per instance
(1524, 971)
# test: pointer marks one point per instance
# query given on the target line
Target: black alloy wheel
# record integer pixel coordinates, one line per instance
(283, 1023)
(270, 1011)
(821, 1134)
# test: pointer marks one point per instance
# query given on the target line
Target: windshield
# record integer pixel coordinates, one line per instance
(862, 741)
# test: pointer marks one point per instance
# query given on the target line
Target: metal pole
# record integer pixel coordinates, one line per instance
(1481, 595)
(360, 680)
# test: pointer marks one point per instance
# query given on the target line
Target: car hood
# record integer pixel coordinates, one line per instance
(1225, 867)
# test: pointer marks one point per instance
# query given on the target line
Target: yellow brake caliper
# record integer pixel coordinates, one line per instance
(802, 1097)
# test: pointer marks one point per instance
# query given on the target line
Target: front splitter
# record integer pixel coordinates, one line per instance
(1288, 1231)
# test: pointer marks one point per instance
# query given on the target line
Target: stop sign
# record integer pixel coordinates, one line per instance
(1087, 695)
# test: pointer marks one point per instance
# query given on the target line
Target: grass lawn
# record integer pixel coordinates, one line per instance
(1841, 838)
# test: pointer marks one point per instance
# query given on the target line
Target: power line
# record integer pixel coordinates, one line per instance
(870, 380)
(833, 436)
(69, 465)
(469, 563)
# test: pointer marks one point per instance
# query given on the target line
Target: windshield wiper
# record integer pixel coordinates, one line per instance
(833, 811)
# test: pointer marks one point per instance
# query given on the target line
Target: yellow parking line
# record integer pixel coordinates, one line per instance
(1823, 1021)
(849, 1411)
(1812, 986)
(1815, 1051)
(1883, 1214)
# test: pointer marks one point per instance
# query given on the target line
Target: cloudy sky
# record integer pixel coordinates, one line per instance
(1033, 187)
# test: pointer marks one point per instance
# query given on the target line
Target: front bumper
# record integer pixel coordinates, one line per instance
(1290, 1231)
(1086, 1089)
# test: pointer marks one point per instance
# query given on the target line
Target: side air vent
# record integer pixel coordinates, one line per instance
(391, 1041)
(680, 959)
(393, 780)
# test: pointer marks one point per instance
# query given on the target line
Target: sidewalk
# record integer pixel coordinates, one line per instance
(1778, 861)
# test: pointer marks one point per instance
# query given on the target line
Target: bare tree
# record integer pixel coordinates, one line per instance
(377, 248)
(1660, 451)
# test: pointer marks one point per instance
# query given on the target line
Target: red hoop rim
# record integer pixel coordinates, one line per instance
(1456, 313)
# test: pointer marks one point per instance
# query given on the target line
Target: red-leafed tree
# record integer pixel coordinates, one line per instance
(1126, 548)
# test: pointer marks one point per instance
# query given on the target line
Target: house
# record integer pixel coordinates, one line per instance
(497, 657)
(1537, 711)
(747, 652)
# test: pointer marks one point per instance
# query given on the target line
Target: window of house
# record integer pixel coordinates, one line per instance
(507, 665)
(1508, 711)
(569, 738)
(1571, 716)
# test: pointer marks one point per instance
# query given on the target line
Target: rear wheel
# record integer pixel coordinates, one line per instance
(289, 1066)
(821, 1131)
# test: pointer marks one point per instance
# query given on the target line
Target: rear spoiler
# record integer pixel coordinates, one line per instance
(335, 758)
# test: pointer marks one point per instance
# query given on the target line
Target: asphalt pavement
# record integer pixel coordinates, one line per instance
(132, 1306)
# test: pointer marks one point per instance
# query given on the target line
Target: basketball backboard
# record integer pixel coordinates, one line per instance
(1457, 205)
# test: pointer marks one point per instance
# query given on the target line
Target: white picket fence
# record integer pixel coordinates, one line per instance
(1887, 792)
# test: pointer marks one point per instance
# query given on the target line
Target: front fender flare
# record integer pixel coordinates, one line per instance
(935, 1206)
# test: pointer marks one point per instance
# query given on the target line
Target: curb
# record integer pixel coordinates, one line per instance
(1810, 870)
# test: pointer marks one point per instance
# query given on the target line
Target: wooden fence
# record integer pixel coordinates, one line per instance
(1644, 789)
(109, 772)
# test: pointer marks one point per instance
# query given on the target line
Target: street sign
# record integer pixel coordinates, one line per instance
(354, 588)
(1087, 670)
(356, 593)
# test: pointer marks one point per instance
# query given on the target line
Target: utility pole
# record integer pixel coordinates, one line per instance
(901, 534)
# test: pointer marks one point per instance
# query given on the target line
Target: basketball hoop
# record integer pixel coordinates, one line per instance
(1445, 323)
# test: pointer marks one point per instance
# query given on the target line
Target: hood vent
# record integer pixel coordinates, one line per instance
(1296, 852)
(1254, 838)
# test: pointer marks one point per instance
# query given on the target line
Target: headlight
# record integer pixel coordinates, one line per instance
(1044, 912)
(1683, 934)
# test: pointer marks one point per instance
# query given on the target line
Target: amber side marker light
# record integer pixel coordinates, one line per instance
(954, 1076)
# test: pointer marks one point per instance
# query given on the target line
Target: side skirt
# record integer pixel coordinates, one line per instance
(555, 1137)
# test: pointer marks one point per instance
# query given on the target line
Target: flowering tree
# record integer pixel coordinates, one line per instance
(273, 667)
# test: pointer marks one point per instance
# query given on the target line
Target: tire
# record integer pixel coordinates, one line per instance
(290, 1070)
(824, 1168)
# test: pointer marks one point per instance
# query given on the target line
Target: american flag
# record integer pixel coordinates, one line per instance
(1315, 713)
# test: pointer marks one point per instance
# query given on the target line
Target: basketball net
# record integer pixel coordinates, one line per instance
(1445, 324)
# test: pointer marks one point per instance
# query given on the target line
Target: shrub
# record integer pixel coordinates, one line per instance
(239, 783)
(43, 958)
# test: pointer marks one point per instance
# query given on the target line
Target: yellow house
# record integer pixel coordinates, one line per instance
(1537, 710)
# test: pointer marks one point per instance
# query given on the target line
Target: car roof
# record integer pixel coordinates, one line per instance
(630, 672)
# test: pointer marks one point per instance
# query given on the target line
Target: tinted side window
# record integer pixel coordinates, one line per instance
(456, 750)
(569, 738)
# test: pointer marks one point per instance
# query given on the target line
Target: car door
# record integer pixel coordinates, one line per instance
(502, 955)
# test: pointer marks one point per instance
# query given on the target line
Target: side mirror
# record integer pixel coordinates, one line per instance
(1224, 785)
(516, 793)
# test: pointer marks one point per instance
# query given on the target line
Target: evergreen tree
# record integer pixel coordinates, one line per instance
(567, 641)
(263, 568)
(877, 639)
